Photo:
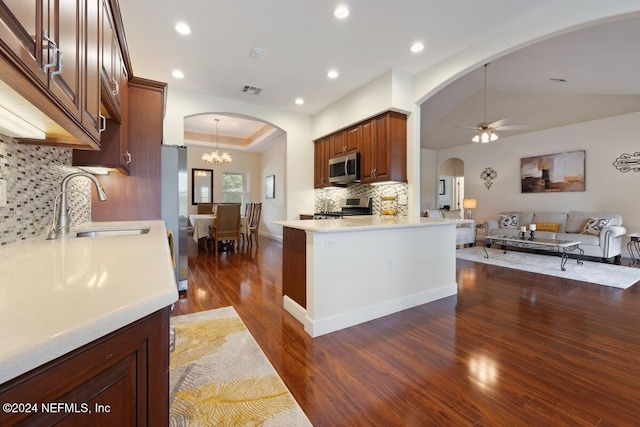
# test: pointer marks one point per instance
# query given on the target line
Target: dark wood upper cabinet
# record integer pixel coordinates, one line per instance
(20, 35)
(66, 58)
(382, 143)
(90, 60)
(384, 148)
(113, 72)
(322, 153)
(63, 28)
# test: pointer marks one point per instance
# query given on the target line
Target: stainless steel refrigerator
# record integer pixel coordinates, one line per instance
(174, 208)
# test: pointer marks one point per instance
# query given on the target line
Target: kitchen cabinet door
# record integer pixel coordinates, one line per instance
(352, 139)
(367, 157)
(122, 378)
(321, 155)
(21, 35)
(64, 28)
(90, 60)
(384, 148)
(113, 69)
(337, 144)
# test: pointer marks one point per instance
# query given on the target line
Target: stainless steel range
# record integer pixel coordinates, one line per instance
(348, 207)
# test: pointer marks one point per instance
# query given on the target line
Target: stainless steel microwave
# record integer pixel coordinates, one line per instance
(345, 169)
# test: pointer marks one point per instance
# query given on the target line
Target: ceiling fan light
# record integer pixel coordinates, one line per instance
(484, 138)
(493, 136)
(476, 138)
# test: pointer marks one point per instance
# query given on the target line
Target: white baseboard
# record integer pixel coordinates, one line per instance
(317, 327)
(295, 309)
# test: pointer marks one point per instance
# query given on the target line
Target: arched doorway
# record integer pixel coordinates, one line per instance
(450, 184)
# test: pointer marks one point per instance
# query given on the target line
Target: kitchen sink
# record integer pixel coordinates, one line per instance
(104, 232)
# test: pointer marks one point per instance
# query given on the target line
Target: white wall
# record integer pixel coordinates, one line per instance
(607, 189)
(390, 91)
(272, 163)
(299, 196)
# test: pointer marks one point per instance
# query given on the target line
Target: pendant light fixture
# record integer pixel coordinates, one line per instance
(214, 157)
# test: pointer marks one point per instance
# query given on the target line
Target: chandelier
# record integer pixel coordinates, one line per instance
(215, 158)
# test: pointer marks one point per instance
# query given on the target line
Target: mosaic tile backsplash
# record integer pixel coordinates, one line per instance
(33, 175)
(328, 199)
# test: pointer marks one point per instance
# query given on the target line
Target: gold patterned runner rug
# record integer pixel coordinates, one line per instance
(219, 376)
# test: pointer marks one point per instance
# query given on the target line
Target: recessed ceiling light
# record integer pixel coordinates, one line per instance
(341, 12)
(299, 101)
(177, 74)
(183, 28)
(332, 74)
(257, 52)
(417, 47)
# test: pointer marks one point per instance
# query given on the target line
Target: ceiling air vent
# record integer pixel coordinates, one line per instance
(251, 90)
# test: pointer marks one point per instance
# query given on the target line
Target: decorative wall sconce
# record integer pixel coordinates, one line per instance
(488, 175)
(628, 162)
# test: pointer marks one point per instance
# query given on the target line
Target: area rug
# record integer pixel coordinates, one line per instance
(617, 276)
(219, 376)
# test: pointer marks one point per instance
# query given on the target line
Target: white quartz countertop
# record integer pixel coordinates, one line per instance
(366, 222)
(58, 295)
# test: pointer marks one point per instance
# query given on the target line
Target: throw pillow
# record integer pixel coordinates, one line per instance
(509, 221)
(595, 225)
(548, 226)
(434, 213)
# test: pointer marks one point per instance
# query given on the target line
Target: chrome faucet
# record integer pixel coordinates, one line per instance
(61, 228)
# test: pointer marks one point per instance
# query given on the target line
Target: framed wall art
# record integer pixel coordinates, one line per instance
(441, 188)
(270, 187)
(553, 173)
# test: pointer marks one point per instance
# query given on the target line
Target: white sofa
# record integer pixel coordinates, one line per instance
(604, 242)
(465, 230)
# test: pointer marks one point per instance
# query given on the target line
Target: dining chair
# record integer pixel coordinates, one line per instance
(244, 233)
(226, 226)
(205, 208)
(254, 224)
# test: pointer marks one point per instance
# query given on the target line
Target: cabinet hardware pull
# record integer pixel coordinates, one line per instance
(58, 71)
(117, 86)
(127, 157)
(52, 45)
(103, 123)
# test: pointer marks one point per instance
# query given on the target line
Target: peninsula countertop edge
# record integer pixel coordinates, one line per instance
(366, 222)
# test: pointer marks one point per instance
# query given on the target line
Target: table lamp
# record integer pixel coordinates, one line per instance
(469, 204)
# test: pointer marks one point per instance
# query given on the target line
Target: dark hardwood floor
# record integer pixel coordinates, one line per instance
(511, 349)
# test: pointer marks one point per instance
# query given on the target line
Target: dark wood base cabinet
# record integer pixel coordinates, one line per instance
(121, 379)
(294, 265)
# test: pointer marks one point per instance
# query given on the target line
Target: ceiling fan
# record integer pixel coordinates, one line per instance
(486, 132)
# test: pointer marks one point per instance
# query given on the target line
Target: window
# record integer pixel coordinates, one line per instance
(235, 188)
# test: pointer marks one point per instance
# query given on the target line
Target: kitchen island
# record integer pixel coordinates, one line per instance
(341, 272)
(85, 320)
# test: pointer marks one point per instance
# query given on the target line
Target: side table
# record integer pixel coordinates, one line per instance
(634, 244)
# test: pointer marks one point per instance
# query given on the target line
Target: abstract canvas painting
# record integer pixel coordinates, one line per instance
(553, 172)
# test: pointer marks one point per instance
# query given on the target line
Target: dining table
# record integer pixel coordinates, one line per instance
(201, 223)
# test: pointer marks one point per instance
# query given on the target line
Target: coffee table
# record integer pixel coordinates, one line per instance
(562, 247)
(634, 243)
